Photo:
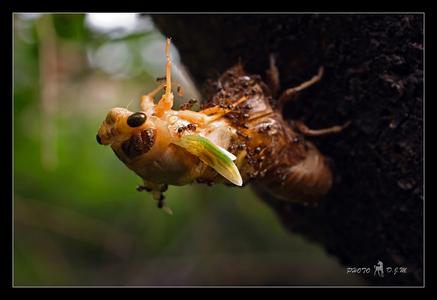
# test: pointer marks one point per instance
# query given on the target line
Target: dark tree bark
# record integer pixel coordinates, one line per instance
(373, 76)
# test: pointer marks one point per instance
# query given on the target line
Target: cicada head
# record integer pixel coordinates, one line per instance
(114, 126)
(119, 125)
(130, 134)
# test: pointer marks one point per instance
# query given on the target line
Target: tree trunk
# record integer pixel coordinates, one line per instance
(373, 77)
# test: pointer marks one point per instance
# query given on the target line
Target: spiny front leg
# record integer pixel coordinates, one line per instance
(166, 102)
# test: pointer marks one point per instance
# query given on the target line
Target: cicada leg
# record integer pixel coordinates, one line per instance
(319, 132)
(291, 93)
(201, 118)
(166, 101)
(208, 115)
(216, 112)
(161, 200)
(193, 117)
(212, 110)
(157, 190)
(147, 101)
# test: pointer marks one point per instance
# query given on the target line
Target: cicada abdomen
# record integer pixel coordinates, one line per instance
(270, 153)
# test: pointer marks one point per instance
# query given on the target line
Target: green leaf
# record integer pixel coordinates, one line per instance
(213, 155)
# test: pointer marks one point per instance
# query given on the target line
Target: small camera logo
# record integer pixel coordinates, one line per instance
(379, 269)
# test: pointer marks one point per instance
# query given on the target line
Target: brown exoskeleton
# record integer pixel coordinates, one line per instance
(238, 137)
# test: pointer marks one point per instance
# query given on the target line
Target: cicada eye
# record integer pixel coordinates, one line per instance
(136, 119)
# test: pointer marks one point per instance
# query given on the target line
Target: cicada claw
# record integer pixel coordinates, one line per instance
(163, 205)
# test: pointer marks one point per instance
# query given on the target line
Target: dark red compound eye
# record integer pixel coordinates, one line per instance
(136, 119)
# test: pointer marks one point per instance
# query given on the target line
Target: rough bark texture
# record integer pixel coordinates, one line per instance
(373, 76)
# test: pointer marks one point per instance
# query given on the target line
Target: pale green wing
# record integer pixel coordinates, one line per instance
(213, 155)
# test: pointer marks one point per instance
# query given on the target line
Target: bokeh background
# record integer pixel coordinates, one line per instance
(78, 219)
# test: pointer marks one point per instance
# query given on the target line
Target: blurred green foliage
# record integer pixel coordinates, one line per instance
(78, 219)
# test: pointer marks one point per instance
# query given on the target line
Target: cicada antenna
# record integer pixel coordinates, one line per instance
(127, 106)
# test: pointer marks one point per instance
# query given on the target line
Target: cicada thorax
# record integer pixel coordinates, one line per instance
(269, 152)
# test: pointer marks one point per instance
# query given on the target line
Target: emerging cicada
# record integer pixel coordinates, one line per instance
(239, 136)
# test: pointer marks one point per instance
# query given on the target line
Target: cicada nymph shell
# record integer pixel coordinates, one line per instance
(269, 152)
